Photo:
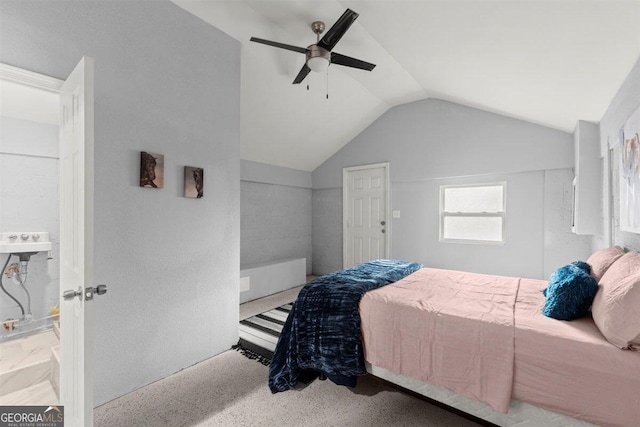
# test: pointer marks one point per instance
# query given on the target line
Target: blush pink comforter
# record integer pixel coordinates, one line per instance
(426, 327)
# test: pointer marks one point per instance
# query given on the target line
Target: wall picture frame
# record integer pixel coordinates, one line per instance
(193, 182)
(151, 170)
(630, 174)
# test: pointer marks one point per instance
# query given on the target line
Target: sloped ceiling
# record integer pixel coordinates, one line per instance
(546, 62)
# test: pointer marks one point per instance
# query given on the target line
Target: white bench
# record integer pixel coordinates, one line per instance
(268, 278)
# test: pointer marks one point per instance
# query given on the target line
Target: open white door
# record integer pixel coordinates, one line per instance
(365, 213)
(76, 245)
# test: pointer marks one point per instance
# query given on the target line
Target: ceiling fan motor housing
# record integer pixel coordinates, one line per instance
(318, 58)
(317, 27)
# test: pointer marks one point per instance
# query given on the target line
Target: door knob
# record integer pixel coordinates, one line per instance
(71, 294)
(382, 222)
(90, 292)
(383, 230)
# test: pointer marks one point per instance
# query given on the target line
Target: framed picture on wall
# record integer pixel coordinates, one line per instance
(193, 182)
(630, 175)
(151, 170)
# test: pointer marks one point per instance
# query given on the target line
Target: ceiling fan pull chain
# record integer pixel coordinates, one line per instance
(327, 82)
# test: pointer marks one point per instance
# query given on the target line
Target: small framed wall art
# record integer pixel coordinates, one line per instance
(151, 170)
(193, 182)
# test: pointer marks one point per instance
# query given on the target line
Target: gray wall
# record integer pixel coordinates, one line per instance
(626, 101)
(431, 143)
(437, 139)
(169, 83)
(327, 230)
(275, 214)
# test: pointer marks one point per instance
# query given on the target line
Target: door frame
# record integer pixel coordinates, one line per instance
(29, 78)
(345, 200)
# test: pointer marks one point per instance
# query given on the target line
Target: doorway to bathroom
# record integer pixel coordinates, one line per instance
(29, 207)
(74, 188)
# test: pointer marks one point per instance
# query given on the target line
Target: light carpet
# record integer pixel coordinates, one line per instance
(231, 390)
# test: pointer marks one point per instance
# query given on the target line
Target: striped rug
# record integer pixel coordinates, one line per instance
(259, 334)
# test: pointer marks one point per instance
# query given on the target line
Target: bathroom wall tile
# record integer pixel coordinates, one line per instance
(29, 197)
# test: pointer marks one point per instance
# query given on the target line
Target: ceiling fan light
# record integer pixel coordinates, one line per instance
(318, 58)
(318, 64)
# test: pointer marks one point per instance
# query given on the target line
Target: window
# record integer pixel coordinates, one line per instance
(473, 213)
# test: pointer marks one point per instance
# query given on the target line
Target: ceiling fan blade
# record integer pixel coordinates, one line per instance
(336, 32)
(280, 45)
(348, 61)
(302, 74)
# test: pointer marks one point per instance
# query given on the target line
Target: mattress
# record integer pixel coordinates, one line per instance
(520, 414)
(569, 367)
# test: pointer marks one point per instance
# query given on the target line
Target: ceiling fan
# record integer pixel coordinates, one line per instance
(319, 55)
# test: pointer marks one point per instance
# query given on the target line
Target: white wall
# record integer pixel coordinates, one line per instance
(275, 214)
(626, 101)
(169, 83)
(29, 202)
(431, 143)
(561, 245)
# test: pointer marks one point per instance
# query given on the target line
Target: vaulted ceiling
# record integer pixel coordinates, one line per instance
(547, 62)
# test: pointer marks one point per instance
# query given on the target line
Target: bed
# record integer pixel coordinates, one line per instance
(480, 343)
(548, 367)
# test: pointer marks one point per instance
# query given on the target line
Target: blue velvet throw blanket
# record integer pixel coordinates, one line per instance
(322, 334)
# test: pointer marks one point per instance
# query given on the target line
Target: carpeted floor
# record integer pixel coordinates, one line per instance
(231, 390)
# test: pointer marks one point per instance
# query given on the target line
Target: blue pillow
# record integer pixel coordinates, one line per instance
(570, 292)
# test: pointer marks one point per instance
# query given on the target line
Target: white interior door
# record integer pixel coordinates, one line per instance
(76, 244)
(365, 213)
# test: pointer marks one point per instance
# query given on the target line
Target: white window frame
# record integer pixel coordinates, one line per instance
(502, 214)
